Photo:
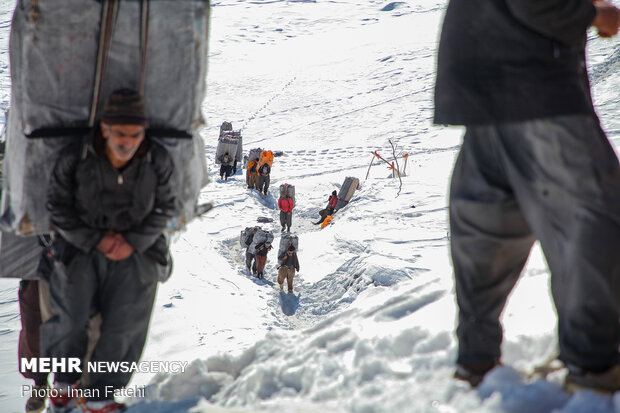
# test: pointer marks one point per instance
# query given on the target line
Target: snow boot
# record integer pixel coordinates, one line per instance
(63, 401)
(606, 382)
(474, 372)
(289, 229)
(36, 401)
(105, 406)
(282, 229)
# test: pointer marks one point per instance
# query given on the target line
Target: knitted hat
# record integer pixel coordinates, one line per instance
(334, 193)
(124, 106)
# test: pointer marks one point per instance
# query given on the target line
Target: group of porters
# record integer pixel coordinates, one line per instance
(256, 240)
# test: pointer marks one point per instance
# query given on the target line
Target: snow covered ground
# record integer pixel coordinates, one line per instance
(370, 327)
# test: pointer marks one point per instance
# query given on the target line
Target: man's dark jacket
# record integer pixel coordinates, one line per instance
(512, 60)
(87, 196)
(289, 259)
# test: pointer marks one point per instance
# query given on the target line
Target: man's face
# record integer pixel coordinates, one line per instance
(122, 141)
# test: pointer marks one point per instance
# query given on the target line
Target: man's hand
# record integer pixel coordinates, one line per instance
(122, 249)
(607, 18)
(108, 242)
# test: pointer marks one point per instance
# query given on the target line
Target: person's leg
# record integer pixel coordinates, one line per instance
(261, 261)
(71, 293)
(248, 260)
(30, 315)
(266, 185)
(282, 274)
(567, 179)
(490, 242)
(283, 219)
(127, 291)
(290, 273)
(289, 220)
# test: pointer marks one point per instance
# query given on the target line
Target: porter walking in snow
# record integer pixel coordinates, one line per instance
(226, 166)
(534, 165)
(110, 198)
(288, 264)
(261, 251)
(286, 205)
(263, 177)
(253, 174)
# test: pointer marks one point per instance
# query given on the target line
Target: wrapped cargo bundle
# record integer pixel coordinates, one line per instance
(67, 57)
(287, 240)
(345, 194)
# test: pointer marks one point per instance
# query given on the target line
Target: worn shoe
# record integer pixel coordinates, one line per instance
(282, 229)
(63, 400)
(106, 406)
(607, 381)
(36, 401)
(289, 229)
(473, 372)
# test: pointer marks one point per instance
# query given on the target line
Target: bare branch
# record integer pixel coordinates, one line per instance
(397, 167)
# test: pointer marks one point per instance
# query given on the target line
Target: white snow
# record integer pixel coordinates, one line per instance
(370, 327)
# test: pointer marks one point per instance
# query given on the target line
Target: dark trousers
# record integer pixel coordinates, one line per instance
(286, 219)
(30, 314)
(249, 257)
(225, 171)
(263, 183)
(121, 291)
(554, 180)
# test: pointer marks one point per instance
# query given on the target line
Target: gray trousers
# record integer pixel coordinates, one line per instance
(555, 180)
(263, 183)
(249, 258)
(122, 292)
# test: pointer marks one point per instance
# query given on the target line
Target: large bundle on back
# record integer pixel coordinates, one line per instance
(229, 142)
(68, 56)
(286, 241)
(260, 237)
(266, 157)
(287, 189)
(345, 194)
(245, 235)
(19, 256)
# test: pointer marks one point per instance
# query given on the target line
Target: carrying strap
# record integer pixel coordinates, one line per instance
(109, 10)
(144, 31)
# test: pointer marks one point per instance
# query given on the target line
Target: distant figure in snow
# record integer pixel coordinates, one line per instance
(288, 264)
(226, 166)
(263, 177)
(329, 209)
(253, 174)
(534, 165)
(261, 251)
(286, 206)
(250, 255)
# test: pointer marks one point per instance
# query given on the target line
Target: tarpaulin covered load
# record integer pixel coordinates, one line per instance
(287, 189)
(68, 56)
(245, 235)
(287, 240)
(19, 256)
(260, 237)
(266, 157)
(345, 194)
(229, 142)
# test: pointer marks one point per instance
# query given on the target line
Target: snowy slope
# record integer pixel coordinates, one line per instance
(370, 327)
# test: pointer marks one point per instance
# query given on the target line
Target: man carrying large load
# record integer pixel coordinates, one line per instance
(110, 199)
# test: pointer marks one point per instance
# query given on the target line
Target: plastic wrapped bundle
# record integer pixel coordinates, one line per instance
(67, 57)
(345, 194)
